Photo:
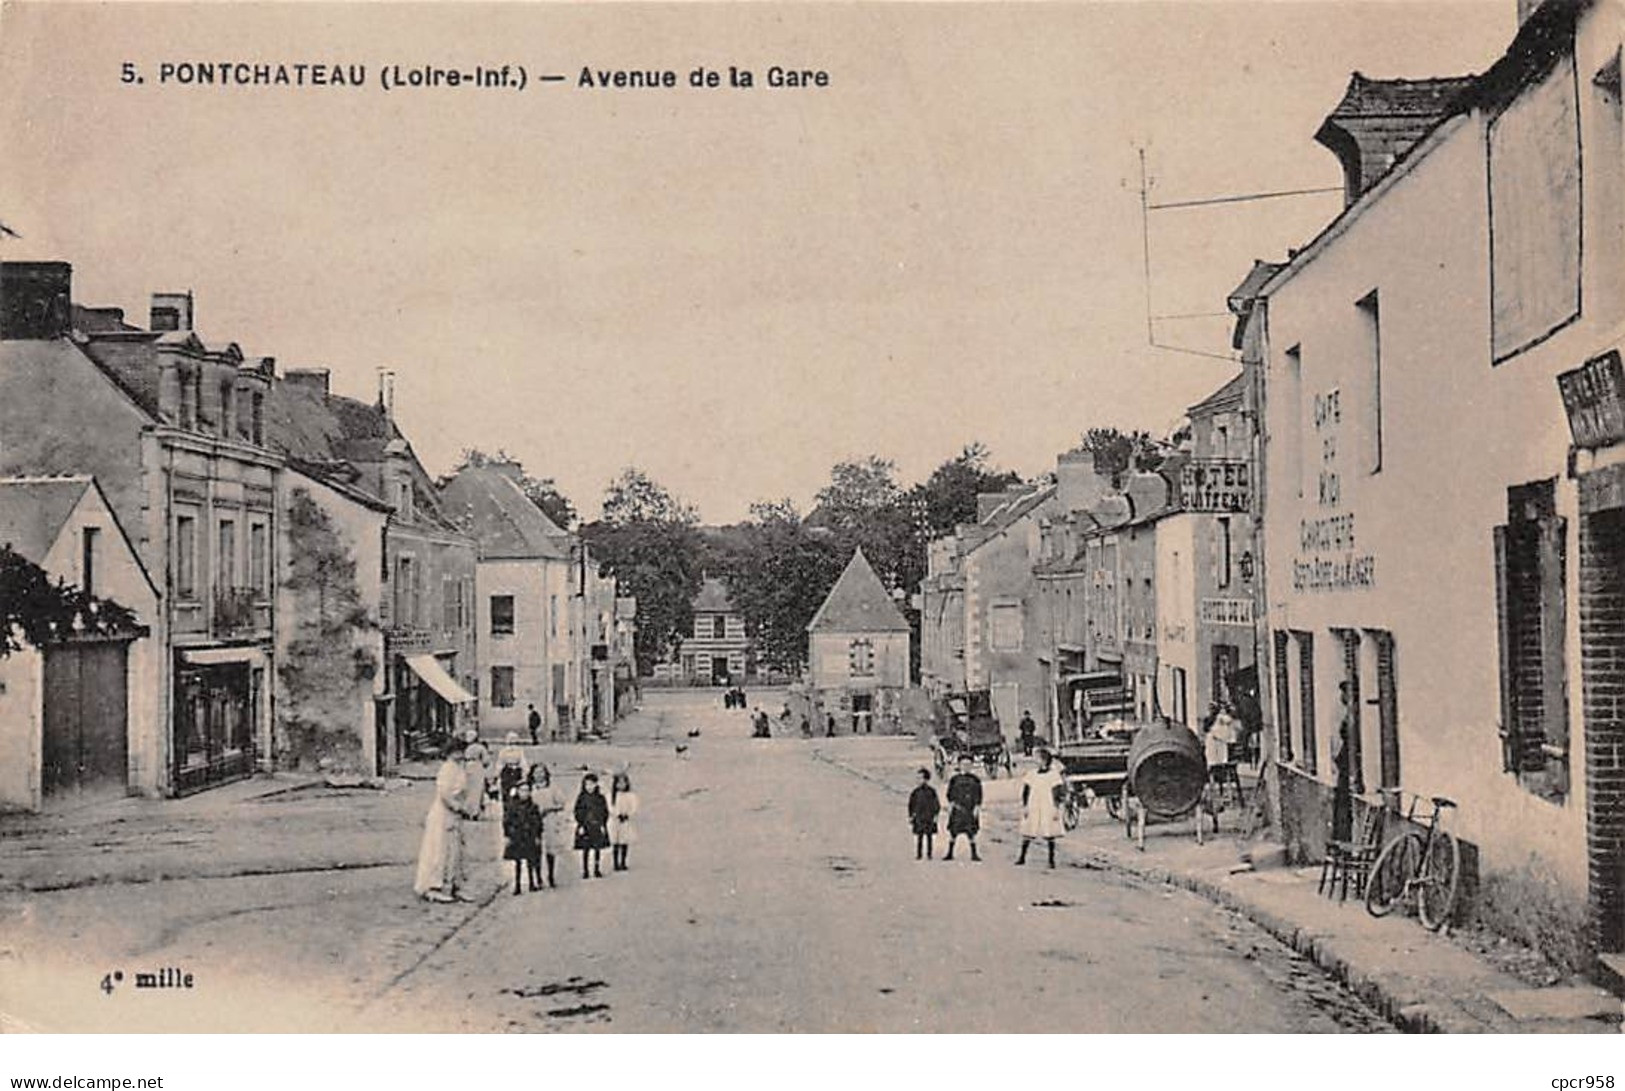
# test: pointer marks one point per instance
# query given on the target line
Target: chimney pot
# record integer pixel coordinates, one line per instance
(170, 311)
(317, 379)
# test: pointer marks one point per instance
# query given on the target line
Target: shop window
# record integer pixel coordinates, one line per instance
(1531, 618)
(501, 615)
(501, 687)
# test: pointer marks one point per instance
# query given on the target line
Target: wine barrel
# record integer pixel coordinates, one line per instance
(1166, 768)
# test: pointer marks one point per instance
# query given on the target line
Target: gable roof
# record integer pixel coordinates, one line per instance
(1006, 515)
(488, 504)
(33, 510)
(1228, 395)
(858, 603)
(713, 598)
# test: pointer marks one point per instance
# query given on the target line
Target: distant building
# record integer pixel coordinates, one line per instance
(79, 714)
(858, 653)
(717, 649)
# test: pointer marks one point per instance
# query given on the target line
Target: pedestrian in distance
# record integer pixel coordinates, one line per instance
(923, 808)
(806, 728)
(829, 727)
(1028, 730)
(522, 827)
(592, 826)
(549, 803)
(534, 721)
(1343, 767)
(510, 766)
(964, 808)
(1042, 792)
(623, 807)
(441, 874)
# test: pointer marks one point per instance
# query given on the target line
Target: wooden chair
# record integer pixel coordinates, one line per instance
(1350, 861)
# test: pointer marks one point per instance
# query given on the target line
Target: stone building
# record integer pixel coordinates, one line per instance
(717, 650)
(858, 654)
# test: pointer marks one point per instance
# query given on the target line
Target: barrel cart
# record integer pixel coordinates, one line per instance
(1166, 779)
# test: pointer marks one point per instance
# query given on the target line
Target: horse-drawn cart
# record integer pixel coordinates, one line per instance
(1095, 767)
(964, 724)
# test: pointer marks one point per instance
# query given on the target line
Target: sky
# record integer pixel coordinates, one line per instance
(732, 289)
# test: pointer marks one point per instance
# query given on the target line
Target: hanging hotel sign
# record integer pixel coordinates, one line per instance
(1216, 485)
(1594, 399)
(1225, 612)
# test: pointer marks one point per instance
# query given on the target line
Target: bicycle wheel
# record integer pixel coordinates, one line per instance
(1394, 866)
(1439, 879)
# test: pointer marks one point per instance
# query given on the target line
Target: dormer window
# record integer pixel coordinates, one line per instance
(191, 387)
(403, 499)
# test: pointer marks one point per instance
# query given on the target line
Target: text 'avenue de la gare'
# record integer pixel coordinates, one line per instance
(244, 74)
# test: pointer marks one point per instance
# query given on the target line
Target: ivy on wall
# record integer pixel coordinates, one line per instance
(37, 611)
(325, 674)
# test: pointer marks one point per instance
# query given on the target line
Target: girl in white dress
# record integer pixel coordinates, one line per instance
(623, 806)
(1041, 806)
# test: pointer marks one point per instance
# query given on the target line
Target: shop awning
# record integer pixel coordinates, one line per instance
(1092, 678)
(206, 657)
(428, 668)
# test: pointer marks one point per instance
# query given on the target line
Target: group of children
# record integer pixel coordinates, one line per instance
(532, 811)
(1043, 792)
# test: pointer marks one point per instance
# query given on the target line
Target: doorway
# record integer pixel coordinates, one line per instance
(86, 730)
(1602, 628)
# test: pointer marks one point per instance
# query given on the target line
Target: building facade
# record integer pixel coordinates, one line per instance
(858, 654)
(717, 650)
(1444, 471)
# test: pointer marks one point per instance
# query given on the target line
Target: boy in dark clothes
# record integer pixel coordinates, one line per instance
(522, 827)
(923, 808)
(964, 800)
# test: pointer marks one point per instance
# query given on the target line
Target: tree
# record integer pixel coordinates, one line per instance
(39, 611)
(635, 497)
(325, 672)
(648, 541)
(948, 497)
(1116, 452)
(778, 571)
(541, 491)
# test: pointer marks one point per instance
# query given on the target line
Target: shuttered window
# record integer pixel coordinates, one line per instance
(1531, 618)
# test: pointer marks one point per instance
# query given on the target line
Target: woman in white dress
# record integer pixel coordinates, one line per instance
(1041, 806)
(440, 873)
(623, 807)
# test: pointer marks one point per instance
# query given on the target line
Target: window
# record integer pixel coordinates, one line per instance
(87, 565)
(1387, 707)
(1224, 547)
(256, 418)
(1292, 413)
(226, 570)
(190, 384)
(501, 615)
(450, 587)
(1006, 627)
(186, 556)
(1530, 615)
(861, 658)
(719, 628)
(1370, 318)
(227, 429)
(406, 599)
(1308, 755)
(1283, 697)
(259, 568)
(501, 687)
(403, 499)
(1221, 441)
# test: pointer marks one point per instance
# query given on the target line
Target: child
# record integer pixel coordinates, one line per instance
(592, 825)
(522, 826)
(550, 802)
(623, 805)
(923, 807)
(511, 770)
(964, 801)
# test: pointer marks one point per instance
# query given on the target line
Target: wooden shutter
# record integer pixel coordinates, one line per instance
(1554, 733)
(1503, 624)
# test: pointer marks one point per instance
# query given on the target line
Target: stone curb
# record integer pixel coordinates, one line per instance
(1409, 1013)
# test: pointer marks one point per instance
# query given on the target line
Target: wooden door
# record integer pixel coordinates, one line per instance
(86, 744)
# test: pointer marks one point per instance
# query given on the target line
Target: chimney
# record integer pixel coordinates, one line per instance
(170, 311)
(35, 300)
(1078, 484)
(317, 380)
(386, 393)
(1380, 120)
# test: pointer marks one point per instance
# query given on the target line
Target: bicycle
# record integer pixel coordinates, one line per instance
(1428, 865)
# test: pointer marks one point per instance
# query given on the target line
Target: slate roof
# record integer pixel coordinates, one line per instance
(713, 598)
(488, 504)
(1006, 515)
(33, 509)
(1228, 394)
(858, 603)
(1426, 98)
